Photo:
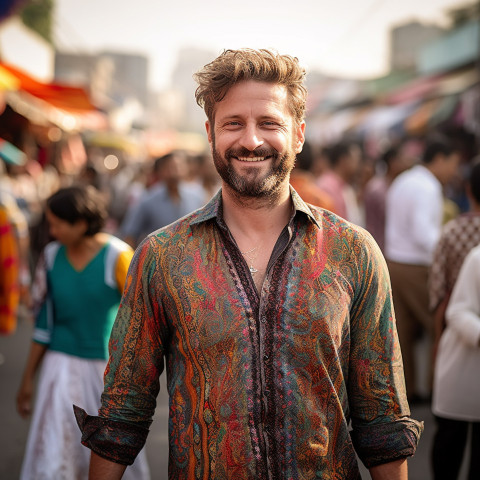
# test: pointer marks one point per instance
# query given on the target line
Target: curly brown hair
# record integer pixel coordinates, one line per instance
(233, 66)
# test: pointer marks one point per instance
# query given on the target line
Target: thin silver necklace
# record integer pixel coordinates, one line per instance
(248, 256)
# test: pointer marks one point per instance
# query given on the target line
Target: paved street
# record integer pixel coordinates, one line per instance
(13, 430)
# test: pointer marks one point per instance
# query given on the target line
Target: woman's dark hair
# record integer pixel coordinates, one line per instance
(80, 202)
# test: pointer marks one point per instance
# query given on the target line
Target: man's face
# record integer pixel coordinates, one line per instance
(352, 163)
(254, 139)
(174, 170)
(449, 164)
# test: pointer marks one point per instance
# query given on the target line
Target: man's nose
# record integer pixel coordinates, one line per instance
(251, 138)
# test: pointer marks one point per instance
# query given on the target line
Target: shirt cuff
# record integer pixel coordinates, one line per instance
(117, 441)
(384, 443)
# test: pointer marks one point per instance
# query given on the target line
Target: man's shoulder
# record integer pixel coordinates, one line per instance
(328, 220)
(346, 242)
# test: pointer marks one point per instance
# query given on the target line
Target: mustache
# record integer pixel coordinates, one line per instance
(245, 152)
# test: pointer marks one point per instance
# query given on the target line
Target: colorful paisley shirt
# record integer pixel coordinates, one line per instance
(285, 383)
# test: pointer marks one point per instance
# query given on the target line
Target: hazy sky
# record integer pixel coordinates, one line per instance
(344, 37)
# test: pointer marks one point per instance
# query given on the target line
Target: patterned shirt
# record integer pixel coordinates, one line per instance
(458, 237)
(262, 384)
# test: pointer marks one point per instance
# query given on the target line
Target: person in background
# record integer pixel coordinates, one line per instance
(78, 287)
(9, 275)
(456, 386)
(457, 238)
(375, 194)
(303, 181)
(208, 175)
(19, 222)
(167, 200)
(414, 213)
(274, 317)
(345, 158)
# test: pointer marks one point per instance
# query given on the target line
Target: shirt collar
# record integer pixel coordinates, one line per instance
(213, 209)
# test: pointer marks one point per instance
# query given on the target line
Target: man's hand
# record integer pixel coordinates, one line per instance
(24, 398)
(103, 469)
(397, 470)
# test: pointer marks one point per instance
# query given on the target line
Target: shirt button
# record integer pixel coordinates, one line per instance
(263, 319)
(265, 357)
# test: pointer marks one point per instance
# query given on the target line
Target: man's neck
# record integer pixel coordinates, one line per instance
(474, 205)
(173, 190)
(434, 170)
(251, 220)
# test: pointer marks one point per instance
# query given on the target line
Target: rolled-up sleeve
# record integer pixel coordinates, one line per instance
(382, 430)
(136, 361)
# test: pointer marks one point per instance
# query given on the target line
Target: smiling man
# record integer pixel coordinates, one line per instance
(274, 317)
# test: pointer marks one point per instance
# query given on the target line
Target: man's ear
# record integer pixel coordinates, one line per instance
(209, 129)
(300, 137)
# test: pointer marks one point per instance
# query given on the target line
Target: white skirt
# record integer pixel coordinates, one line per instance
(53, 450)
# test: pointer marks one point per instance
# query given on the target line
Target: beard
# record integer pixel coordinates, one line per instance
(252, 183)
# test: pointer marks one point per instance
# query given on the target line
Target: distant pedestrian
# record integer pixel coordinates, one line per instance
(456, 392)
(453, 362)
(78, 285)
(337, 181)
(9, 275)
(458, 237)
(414, 214)
(167, 200)
(303, 180)
(375, 194)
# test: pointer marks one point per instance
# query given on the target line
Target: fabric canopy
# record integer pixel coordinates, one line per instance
(67, 107)
(416, 90)
(72, 99)
(8, 81)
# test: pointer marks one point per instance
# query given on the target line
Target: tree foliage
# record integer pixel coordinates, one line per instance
(38, 15)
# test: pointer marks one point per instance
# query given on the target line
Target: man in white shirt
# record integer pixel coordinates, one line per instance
(414, 213)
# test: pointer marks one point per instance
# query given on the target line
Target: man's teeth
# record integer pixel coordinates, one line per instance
(251, 159)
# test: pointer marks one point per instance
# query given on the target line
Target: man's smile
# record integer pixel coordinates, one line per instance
(252, 159)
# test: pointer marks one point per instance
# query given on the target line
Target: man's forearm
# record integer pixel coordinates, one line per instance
(397, 470)
(103, 469)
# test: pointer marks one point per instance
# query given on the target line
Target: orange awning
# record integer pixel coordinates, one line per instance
(42, 103)
(65, 97)
(8, 81)
(417, 122)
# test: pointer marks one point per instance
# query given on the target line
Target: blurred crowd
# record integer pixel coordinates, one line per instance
(140, 197)
(418, 197)
(145, 195)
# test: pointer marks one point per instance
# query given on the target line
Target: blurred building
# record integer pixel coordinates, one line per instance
(117, 82)
(189, 61)
(407, 39)
(434, 84)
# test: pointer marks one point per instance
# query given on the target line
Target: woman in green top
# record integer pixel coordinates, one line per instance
(79, 284)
